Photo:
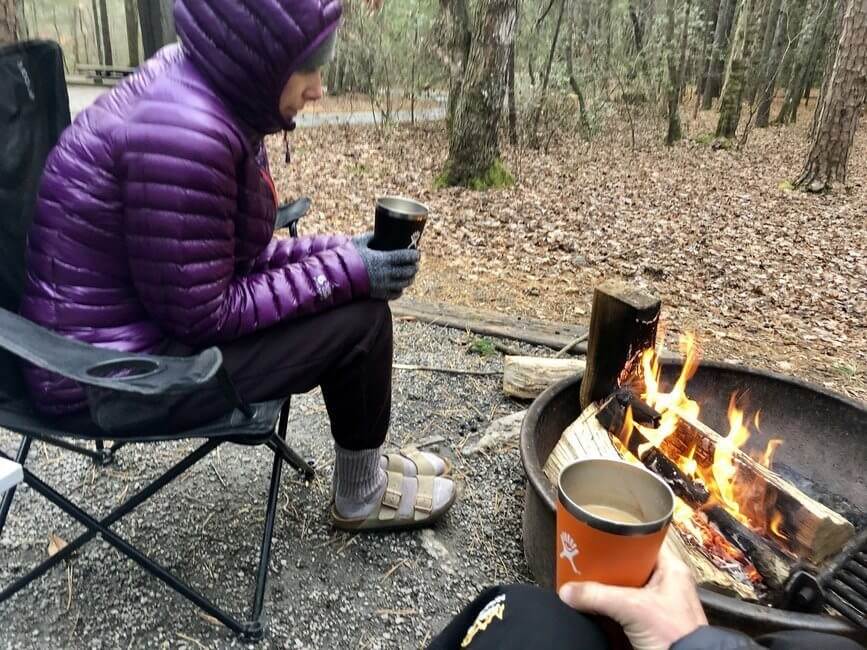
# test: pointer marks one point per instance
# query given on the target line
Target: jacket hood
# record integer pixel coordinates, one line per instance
(248, 49)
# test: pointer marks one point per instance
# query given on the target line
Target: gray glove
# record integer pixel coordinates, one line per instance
(390, 272)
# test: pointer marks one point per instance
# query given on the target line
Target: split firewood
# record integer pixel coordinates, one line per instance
(529, 377)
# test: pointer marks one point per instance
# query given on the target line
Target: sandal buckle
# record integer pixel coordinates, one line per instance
(391, 498)
(424, 504)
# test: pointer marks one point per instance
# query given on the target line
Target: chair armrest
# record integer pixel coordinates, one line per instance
(10, 474)
(289, 214)
(126, 372)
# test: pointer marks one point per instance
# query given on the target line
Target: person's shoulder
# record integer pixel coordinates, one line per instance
(178, 97)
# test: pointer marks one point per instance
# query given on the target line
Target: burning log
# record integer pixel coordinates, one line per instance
(768, 559)
(587, 438)
(528, 377)
(617, 416)
(814, 531)
(622, 325)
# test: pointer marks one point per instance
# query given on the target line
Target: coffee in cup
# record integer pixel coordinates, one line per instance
(612, 518)
(399, 223)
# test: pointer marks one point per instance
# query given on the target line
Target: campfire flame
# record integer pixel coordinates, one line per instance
(724, 469)
(695, 525)
(770, 450)
(720, 477)
(689, 464)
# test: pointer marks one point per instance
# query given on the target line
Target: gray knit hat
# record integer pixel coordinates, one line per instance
(321, 55)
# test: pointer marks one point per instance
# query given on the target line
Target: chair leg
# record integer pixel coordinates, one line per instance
(256, 627)
(252, 629)
(6, 502)
(130, 504)
(278, 444)
(97, 456)
(149, 565)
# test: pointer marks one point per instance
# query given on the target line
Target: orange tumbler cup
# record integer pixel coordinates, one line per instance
(612, 518)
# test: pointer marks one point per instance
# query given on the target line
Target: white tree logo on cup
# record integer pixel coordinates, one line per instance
(570, 550)
(413, 244)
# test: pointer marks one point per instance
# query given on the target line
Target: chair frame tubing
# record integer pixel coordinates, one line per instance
(252, 628)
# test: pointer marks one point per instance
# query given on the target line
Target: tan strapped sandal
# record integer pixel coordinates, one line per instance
(396, 462)
(388, 516)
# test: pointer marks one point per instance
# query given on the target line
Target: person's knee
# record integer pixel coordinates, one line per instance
(368, 322)
(375, 317)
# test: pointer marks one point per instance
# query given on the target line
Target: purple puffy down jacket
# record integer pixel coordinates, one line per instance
(155, 221)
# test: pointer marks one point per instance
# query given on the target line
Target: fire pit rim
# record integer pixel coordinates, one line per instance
(726, 606)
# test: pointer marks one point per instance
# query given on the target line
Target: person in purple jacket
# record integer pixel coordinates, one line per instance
(154, 233)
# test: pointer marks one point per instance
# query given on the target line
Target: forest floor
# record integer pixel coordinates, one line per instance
(763, 275)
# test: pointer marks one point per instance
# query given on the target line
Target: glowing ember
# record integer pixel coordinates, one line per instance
(776, 526)
(695, 525)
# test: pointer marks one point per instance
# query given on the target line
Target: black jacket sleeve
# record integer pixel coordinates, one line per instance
(715, 638)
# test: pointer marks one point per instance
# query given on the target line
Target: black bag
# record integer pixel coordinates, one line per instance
(34, 110)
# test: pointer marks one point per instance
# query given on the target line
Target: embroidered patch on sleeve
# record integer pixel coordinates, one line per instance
(493, 610)
(323, 288)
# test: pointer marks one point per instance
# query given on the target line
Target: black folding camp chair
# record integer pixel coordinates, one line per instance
(34, 109)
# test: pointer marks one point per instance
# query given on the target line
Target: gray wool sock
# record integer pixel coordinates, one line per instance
(359, 481)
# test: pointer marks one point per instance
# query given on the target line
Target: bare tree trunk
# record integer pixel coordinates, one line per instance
(8, 22)
(733, 89)
(540, 106)
(684, 48)
(157, 25)
(772, 69)
(674, 130)
(710, 11)
(640, 15)
(513, 110)
(606, 17)
(131, 12)
(844, 96)
(76, 41)
(713, 85)
(459, 51)
(756, 62)
(573, 81)
(637, 27)
(23, 22)
(78, 10)
(835, 31)
(759, 72)
(474, 149)
(106, 32)
(809, 46)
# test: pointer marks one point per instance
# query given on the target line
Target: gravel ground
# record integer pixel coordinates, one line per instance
(327, 589)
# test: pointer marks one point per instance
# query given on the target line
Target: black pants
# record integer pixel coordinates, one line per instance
(347, 351)
(521, 617)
